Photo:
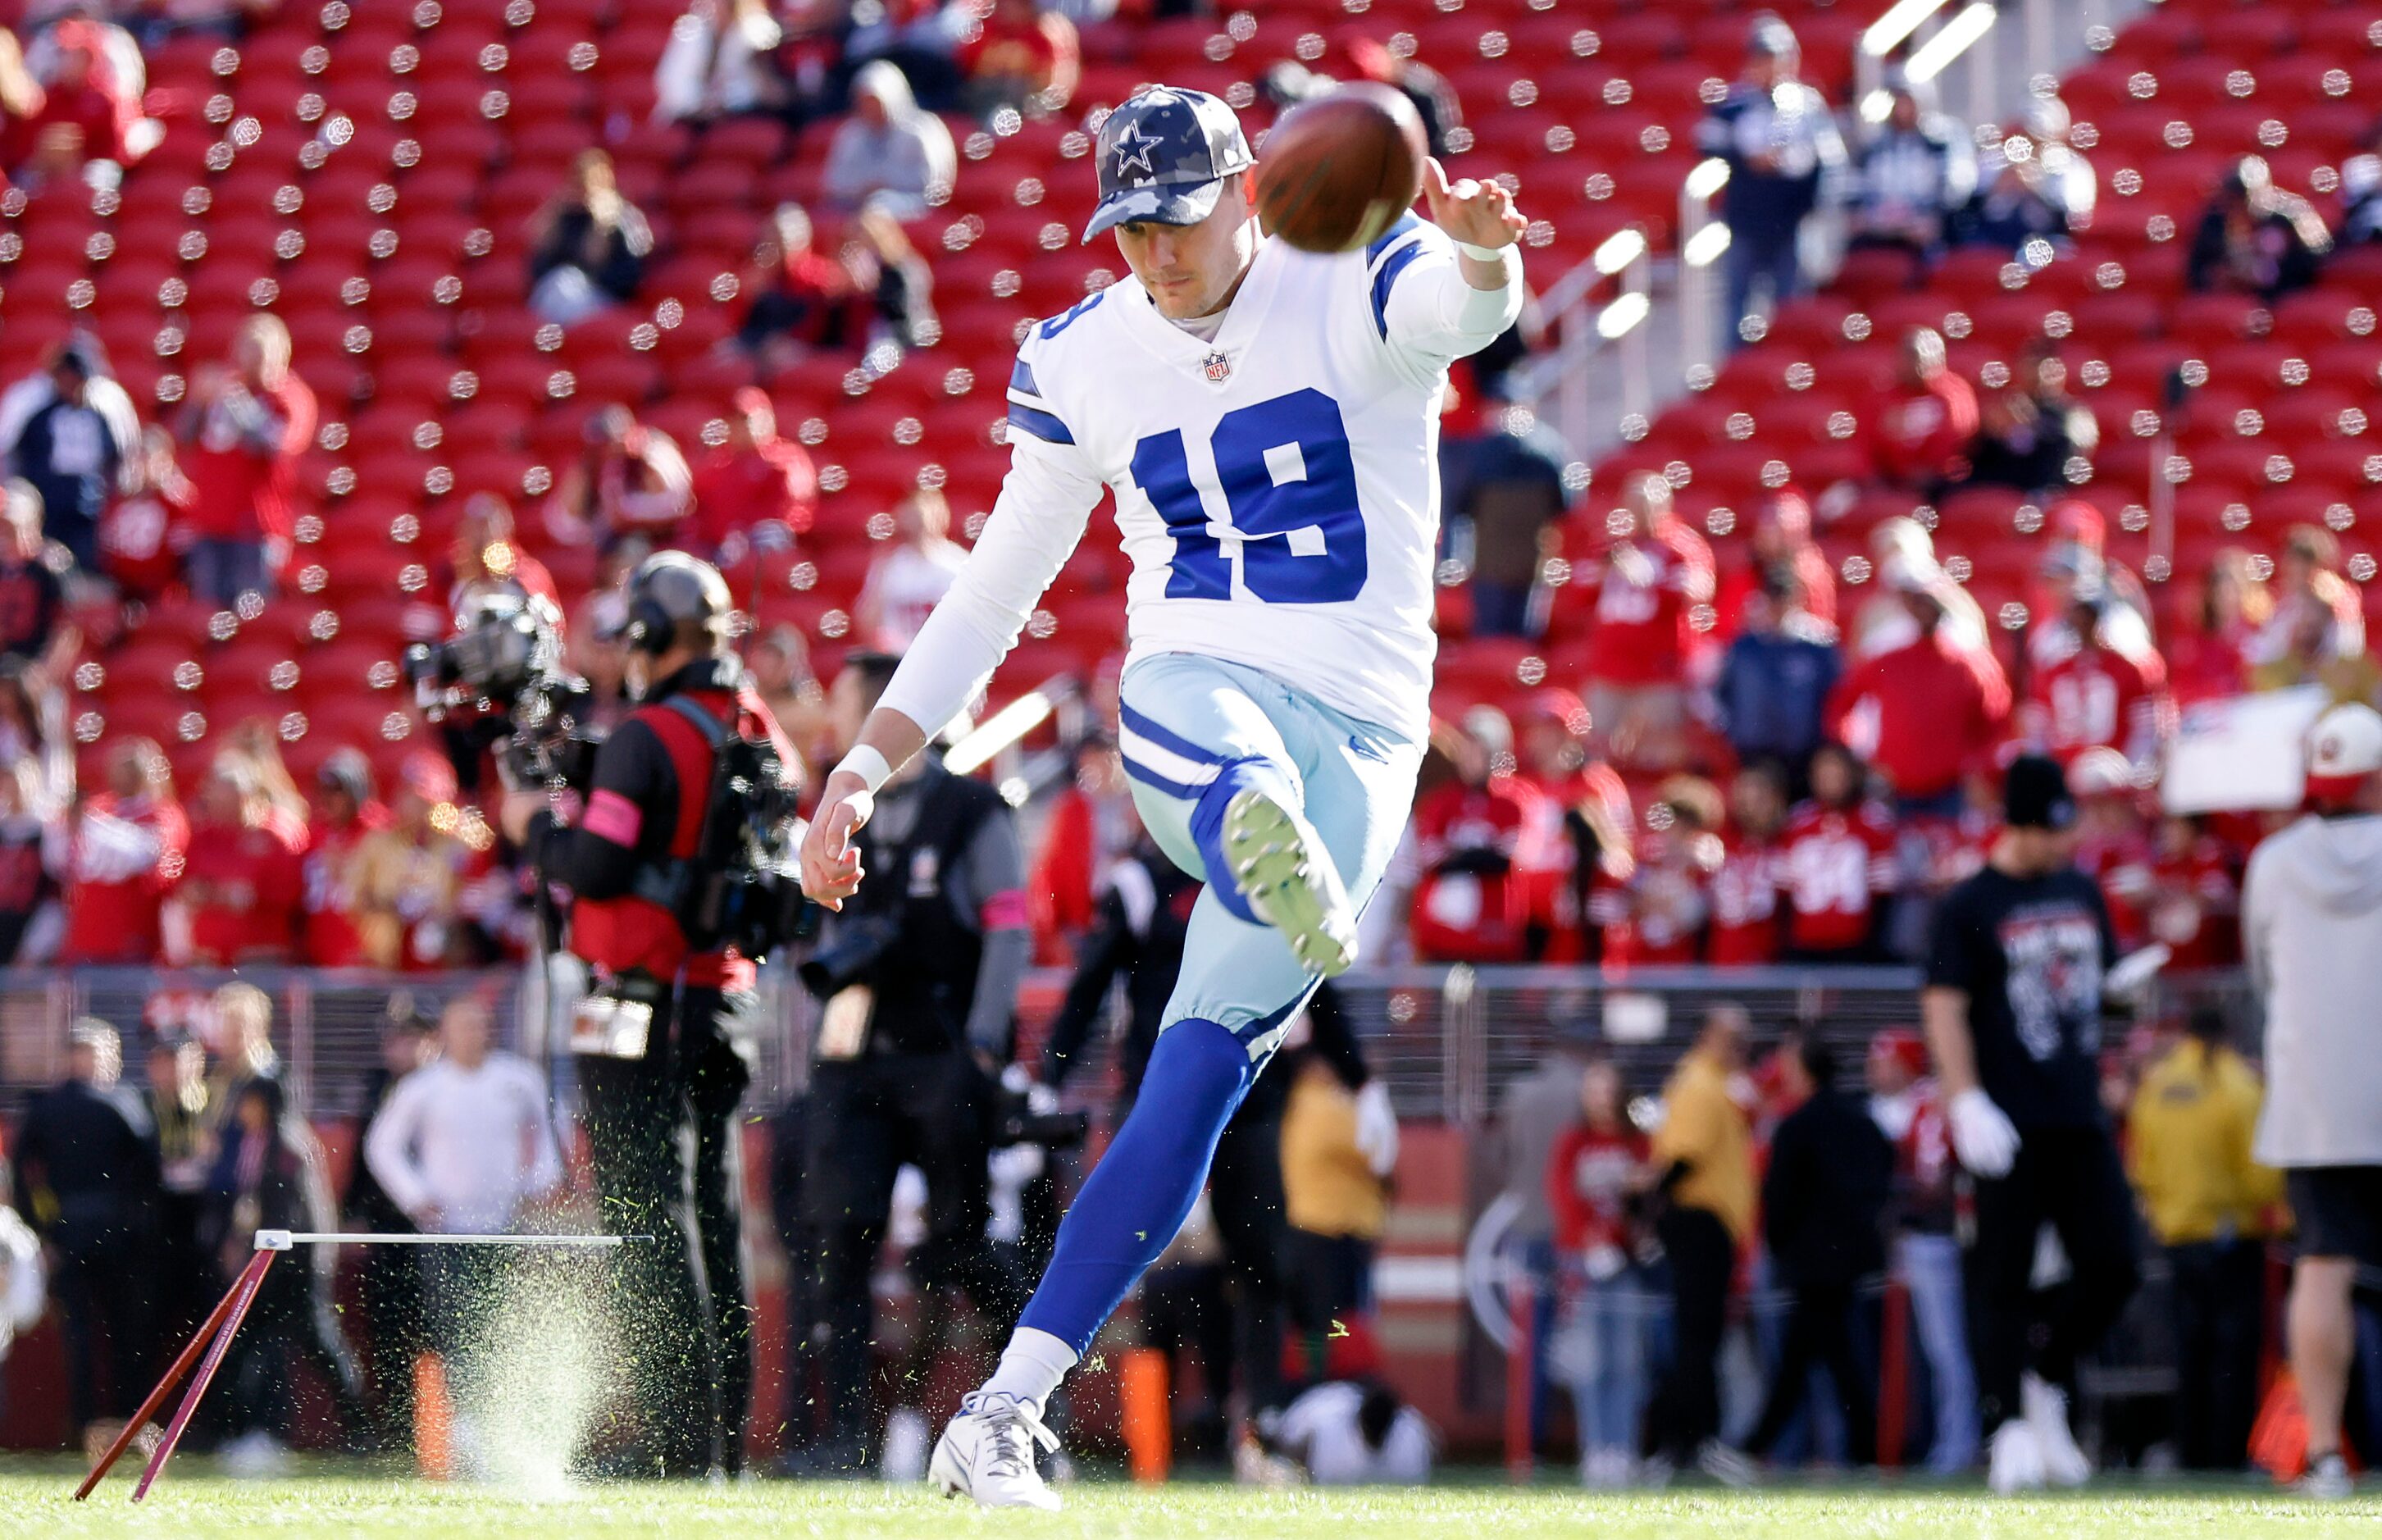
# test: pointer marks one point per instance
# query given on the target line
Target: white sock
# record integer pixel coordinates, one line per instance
(1031, 1367)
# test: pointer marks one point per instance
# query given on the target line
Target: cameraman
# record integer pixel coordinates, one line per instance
(918, 977)
(660, 1065)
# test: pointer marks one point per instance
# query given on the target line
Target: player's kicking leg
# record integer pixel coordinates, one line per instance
(1289, 810)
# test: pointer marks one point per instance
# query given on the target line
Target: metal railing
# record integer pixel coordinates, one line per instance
(1447, 1041)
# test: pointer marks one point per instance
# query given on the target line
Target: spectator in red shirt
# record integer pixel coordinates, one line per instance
(1745, 930)
(1023, 58)
(1092, 824)
(756, 491)
(20, 102)
(1653, 614)
(125, 851)
(1581, 826)
(1596, 1172)
(2096, 697)
(488, 557)
(1657, 916)
(1836, 865)
(2208, 659)
(83, 114)
(2113, 846)
(345, 812)
(2195, 904)
(1470, 905)
(802, 298)
(1925, 713)
(244, 886)
(629, 478)
(1923, 427)
(243, 429)
(1781, 536)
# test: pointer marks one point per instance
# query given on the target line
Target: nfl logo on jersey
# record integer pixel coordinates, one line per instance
(1217, 366)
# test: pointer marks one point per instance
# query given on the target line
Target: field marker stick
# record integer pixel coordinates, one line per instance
(283, 1240)
(244, 1296)
(139, 1419)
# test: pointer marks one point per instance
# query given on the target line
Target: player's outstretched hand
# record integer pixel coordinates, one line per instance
(830, 866)
(1480, 214)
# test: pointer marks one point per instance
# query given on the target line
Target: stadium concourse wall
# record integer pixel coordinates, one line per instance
(1448, 1039)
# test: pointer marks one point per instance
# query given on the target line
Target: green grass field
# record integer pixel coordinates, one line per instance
(39, 1503)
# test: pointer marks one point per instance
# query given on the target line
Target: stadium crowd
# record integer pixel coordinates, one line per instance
(1765, 760)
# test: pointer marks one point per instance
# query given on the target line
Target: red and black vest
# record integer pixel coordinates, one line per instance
(639, 931)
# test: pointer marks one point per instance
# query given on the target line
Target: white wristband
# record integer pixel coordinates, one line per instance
(868, 764)
(1483, 253)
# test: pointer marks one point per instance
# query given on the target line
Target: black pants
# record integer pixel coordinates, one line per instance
(2070, 1179)
(868, 1117)
(2217, 1292)
(1331, 1279)
(291, 1322)
(1704, 1258)
(1244, 1194)
(389, 1278)
(1820, 1330)
(660, 1131)
(103, 1290)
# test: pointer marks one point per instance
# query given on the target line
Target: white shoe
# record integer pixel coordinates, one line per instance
(987, 1452)
(253, 1456)
(906, 1445)
(2016, 1464)
(2328, 1479)
(1285, 876)
(1607, 1470)
(1726, 1464)
(2045, 1410)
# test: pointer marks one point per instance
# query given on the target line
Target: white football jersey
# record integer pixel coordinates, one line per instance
(1277, 488)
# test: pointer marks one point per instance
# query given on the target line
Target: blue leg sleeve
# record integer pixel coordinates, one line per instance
(1208, 823)
(1137, 1197)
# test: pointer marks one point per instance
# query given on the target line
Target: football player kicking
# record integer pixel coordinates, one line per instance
(1268, 419)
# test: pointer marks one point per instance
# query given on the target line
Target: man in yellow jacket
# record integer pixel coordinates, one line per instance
(2188, 1150)
(1704, 1164)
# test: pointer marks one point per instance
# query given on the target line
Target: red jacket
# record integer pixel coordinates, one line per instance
(1588, 1185)
(1744, 902)
(1922, 434)
(123, 860)
(735, 489)
(2195, 904)
(245, 886)
(2096, 698)
(331, 937)
(1925, 713)
(1834, 865)
(1647, 592)
(242, 457)
(1471, 904)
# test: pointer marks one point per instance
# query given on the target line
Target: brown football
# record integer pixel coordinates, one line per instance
(1338, 170)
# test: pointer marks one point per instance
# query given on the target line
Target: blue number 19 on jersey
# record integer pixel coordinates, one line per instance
(1292, 488)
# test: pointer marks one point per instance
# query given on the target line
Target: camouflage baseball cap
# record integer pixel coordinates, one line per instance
(1163, 156)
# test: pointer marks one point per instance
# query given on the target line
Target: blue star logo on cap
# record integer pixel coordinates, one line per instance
(1134, 148)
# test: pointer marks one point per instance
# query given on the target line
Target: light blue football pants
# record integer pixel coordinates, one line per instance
(1194, 733)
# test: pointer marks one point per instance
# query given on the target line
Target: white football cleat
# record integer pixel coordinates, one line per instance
(987, 1452)
(2016, 1464)
(2328, 1479)
(1282, 872)
(2045, 1410)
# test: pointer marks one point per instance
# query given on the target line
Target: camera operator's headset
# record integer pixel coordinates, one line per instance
(669, 589)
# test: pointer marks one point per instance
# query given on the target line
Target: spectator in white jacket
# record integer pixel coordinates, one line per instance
(720, 61)
(890, 153)
(463, 1146)
(2311, 928)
